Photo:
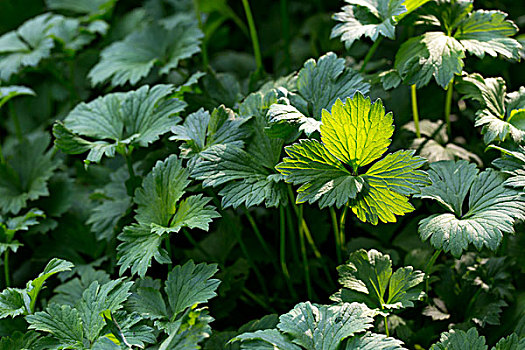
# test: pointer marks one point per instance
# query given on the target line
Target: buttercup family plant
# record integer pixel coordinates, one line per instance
(318, 175)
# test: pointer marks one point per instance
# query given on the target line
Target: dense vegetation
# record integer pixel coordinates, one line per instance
(214, 174)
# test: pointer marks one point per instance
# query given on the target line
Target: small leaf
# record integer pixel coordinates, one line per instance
(371, 341)
(13, 302)
(460, 340)
(368, 277)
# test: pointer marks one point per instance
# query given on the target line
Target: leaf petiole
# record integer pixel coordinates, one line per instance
(448, 105)
(415, 114)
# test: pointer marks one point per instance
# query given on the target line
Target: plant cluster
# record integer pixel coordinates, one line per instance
(216, 174)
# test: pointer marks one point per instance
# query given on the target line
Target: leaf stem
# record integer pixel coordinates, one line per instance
(337, 236)
(167, 243)
(306, 267)
(2, 159)
(386, 326)
(291, 231)
(204, 49)
(253, 35)
(282, 251)
(261, 240)
(415, 114)
(6, 269)
(342, 224)
(129, 163)
(448, 105)
(429, 266)
(370, 53)
(258, 300)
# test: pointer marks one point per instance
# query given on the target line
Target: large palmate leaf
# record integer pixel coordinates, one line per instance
(248, 175)
(492, 208)
(73, 327)
(441, 54)
(133, 58)
(161, 211)
(318, 85)
(355, 134)
(512, 162)
(503, 114)
(369, 18)
(26, 46)
(26, 172)
(132, 119)
(201, 130)
(367, 277)
(16, 301)
(320, 327)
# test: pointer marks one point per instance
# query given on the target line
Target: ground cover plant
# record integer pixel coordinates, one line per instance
(216, 174)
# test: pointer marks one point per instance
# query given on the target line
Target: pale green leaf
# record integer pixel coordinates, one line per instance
(13, 302)
(265, 339)
(492, 208)
(372, 341)
(191, 284)
(135, 118)
(148, 302)
(488, 32)
(9, 92)
(513, 163)
(368, 277)
(53, 267)
(324, 327)
(26, 46)
(82, 7)
(133, 58)
(189, 332)
(460, 340)
(512, 342)
(369, 18)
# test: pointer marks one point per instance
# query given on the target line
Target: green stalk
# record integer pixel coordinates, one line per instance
(167, 243)
(204, 49)
(282, 251)
(261, 240)
(370, 53)
(306, 267)
(258, 300)
(342, 224)
(16, 122)
(337, 236)
(286, 33)
(2, 159)
(386, 327)
(429, 266)
(196, 244)
(415, 113)
(253, 35)
(291, 231)
(6, 269)
(129, 164)
(448, 105)
(258, 274)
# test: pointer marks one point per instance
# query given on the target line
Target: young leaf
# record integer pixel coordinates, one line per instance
(26, 172)
(190, 284)
(248, 174)
(372, 341)
(355, 134)
(8, 92)
(13, 302)
(201, 130)
(319, 84)
(512, 163)
(369, 18)
(459, 340)
(512, 342)
(26, 46)
(136, 119)
(133, 58)
(492, 208)
(368, 277)
(160, 211)
(500, 116)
